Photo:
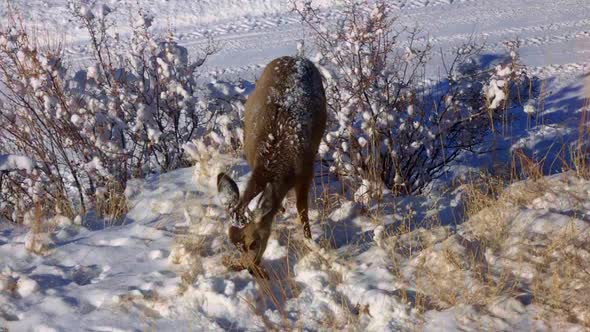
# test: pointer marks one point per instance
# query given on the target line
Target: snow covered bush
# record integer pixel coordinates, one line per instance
(127, 114)
(22, 186)
(225, 136)
(390, 126)
(146, 88)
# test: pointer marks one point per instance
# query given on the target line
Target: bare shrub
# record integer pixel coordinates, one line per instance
(129, 113)
(390, 127)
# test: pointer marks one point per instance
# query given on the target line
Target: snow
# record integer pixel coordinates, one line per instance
(529, 109)
(117, 277)
(13, 162)
(91, 272)
(162, 267)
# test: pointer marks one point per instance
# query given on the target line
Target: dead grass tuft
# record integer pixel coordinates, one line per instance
(580, 154)
(111, 202)
(187, 251)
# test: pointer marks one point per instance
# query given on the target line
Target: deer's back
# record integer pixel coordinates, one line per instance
(285, 118)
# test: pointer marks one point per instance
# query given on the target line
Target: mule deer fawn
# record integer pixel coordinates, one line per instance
(284, 121)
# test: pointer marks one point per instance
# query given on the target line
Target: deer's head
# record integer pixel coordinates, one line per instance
(249, 230)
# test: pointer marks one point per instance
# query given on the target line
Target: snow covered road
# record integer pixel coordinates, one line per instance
(555, 35)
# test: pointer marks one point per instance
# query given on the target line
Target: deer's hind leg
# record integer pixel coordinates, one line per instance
(302, 196)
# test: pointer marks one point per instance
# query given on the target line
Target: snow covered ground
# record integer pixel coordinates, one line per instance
(162, 269)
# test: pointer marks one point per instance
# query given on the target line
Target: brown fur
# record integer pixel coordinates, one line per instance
(284, 122)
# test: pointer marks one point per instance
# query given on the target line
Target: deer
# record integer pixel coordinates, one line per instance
(284, 122)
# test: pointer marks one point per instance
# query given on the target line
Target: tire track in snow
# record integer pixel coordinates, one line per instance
(251, 39)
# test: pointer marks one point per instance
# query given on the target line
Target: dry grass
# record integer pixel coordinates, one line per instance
(63, 206)
(561, 282)
(188, 250)
(455, 272)
(37, 240)
(477, 267)
(580, 154)
(559, 261)
(490, 206)
(111, 203)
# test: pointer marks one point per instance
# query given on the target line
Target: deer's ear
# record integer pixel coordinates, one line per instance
(229, 194)
(266, 201)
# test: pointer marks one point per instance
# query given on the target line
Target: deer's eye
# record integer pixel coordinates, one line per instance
(236, 235)
(253, 245)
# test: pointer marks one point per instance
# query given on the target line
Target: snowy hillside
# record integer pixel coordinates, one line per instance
(163, 270)
(499, 241)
